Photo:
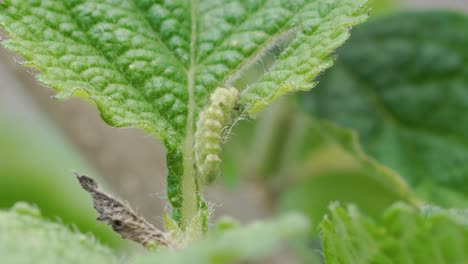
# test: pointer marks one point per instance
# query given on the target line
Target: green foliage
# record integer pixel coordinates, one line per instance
(402, 234)
(153, 65)
(161, 66)
(413, 65)
(231, 244)
(403, 87)
(25, 237)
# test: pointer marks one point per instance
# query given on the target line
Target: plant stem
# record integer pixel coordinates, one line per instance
(189, 184)
(190, 192)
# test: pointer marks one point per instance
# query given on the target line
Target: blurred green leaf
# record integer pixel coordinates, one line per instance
(338, 170)
(402, 83)
(445, 196)
(234, 243)
(25, 237)
(402, 234)
(36, 166)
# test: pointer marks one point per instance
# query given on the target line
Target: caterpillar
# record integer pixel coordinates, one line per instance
(209, 134)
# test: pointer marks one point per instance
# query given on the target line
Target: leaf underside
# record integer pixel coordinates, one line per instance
(153, 64)
(402, 235)
(404, 88)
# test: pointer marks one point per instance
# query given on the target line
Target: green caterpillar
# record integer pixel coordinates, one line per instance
(208, 137)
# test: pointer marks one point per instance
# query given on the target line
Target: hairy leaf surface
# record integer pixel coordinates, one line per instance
(25, 237)
(402, 234)
(153, 64)
(402, 84)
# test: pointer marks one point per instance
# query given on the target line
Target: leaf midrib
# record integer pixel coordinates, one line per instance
(192, 67)
(189, 183)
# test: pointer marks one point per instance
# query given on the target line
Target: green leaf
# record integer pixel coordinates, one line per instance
(318, 28)
(25, 237)
(401, 82)
(402, 235)
(234, 244)
(154, 64)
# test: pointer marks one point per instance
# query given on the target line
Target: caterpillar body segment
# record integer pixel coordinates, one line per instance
(211, 123)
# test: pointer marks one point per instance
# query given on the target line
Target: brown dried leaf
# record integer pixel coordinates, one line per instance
(122, 218)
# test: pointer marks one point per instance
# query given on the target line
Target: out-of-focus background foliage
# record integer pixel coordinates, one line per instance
(42, 141)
